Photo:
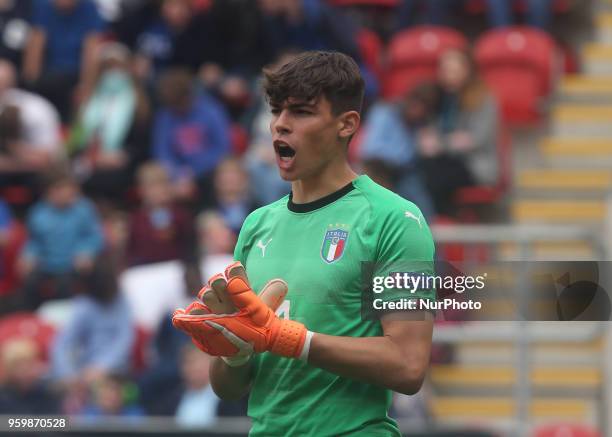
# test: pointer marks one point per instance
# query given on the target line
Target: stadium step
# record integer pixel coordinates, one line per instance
(587, 89)
(597, 58)
(576, 147)
(590, 151)
(447, 407)
(543, 354)
(547, 250)
(558, 211)
(486, 376)
(564, 180)
(573, 120)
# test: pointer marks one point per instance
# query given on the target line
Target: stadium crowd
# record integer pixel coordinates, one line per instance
(134, 141)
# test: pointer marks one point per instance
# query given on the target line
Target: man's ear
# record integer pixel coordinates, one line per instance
(348, 124)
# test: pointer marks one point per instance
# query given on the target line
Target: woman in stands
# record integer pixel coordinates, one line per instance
(459, 150)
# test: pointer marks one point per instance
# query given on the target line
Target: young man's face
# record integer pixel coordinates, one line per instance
(306, 137)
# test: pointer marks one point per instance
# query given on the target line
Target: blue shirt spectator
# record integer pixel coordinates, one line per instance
(387, 136)
(98, 336)
(65, 29)
(192, 143)
(57, 235)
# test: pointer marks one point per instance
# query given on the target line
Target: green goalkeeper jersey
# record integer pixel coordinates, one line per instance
(318, 249)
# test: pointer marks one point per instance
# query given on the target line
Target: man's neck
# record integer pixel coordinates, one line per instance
(330, 180)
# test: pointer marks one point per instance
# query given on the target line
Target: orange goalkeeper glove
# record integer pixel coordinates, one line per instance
(254, 323)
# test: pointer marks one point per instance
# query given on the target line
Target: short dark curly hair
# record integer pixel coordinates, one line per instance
(313, 74)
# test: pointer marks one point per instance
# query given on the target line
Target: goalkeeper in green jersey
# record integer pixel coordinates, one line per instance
(316, 239)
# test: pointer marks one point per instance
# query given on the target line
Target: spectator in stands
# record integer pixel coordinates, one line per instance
(110, 134)
(461, 150)
(191, 135)
(64, 239)
(29, 132)
(308, 25)
(436, 12)
(391, 132)
(163, 375)
(216, 241)
(111, 398)
(177, 35)
(60, 52)
(499, 12)
(14, 28)
(539, 13)
(22, 388)
(98, 338)
(160, 230)
(313, 25)
(197, 405)
(232, 200)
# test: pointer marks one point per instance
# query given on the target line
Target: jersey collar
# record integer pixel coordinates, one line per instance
(319, 203)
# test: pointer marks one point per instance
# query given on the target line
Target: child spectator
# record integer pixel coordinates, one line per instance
(191, 135)
(111, 132)
(61, 47)
(111, 397)
(22, 389)
(232, 198)
(65, 237)
(97, 340)
(159, 230)
(197, 404)
(216, 241)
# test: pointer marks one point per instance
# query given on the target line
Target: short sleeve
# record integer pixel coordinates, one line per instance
(239, 252)
(405, 247)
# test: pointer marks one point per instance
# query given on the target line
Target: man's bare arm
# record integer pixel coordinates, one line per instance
(398, 360)
(33, 55)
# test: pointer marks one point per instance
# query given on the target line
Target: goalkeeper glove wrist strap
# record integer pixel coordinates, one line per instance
(306, 349)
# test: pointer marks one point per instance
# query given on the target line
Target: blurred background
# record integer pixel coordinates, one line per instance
(134, 141)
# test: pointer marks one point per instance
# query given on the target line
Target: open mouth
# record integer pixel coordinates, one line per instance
(284, 151)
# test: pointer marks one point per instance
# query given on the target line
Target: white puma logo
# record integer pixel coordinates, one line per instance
(413, 217)
(263, 247)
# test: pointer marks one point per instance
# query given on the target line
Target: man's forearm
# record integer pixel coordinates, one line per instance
(375, 360)
(229, 383)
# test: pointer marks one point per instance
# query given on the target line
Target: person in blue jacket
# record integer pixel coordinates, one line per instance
(191, 135)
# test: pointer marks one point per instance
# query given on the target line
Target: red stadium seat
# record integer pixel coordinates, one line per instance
(25, 324)
(518, 64)
(566, 430)
(413, 57)
(370, 49)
